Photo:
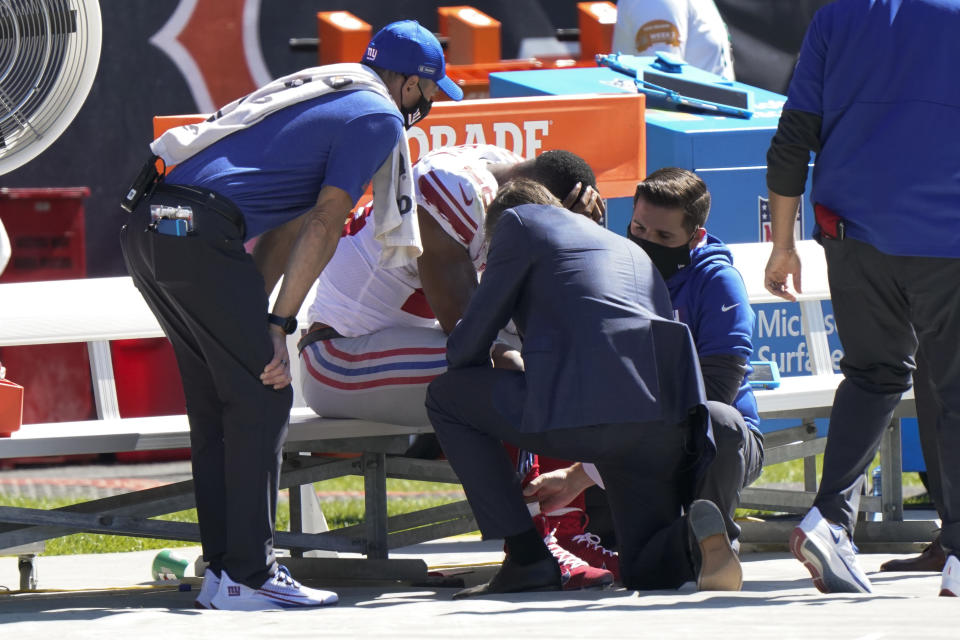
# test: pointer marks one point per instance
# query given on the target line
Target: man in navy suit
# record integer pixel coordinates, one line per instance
(607, 379)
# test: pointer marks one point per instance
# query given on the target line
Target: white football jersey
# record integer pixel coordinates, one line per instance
(356, 296)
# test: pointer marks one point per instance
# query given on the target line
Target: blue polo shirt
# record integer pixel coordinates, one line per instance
(709, 296)
(274, 170)
(883, 75)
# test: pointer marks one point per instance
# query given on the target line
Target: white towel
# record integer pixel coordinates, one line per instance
(395, 215)
(395, 224)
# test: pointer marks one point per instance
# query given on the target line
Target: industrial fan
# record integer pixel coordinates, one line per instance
(49, 51)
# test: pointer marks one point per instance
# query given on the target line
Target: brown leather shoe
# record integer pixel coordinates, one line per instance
(932, 558)
(714, 561)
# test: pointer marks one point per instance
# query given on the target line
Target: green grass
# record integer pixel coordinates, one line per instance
(339, 513)
(792, 473)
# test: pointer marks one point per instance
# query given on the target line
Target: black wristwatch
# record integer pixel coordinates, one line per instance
(288, 323)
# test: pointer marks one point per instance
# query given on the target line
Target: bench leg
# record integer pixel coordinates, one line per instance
(891, 478)
(810, 462)
(27, 563)
(375, 501)
(810, 474)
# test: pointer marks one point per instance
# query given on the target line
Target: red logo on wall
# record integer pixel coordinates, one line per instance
(216, 46)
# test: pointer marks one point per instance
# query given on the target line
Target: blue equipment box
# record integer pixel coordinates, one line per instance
(729, 153)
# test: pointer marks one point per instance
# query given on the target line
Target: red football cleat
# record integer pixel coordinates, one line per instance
(575, 573)
(571, 532)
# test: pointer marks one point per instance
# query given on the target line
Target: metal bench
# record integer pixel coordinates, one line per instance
(98, 310)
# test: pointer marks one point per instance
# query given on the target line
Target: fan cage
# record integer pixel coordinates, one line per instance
(49, 51)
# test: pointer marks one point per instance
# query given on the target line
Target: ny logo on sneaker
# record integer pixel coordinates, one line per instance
(233, 590)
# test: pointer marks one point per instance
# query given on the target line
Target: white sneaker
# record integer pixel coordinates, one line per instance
(950, 583)
(829, 555)
(280, 591)
(211, 584)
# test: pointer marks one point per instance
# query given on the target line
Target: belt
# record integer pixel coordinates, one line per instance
(206, 198)
(317, 332)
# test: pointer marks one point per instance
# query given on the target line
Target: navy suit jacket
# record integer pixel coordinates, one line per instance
(593, 312)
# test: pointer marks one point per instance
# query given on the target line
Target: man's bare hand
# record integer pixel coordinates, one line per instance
(556, 489)
(783, 263)
(506, 357)
(589, 203)
(277, 372)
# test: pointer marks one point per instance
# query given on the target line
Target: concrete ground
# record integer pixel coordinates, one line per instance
(110, 596)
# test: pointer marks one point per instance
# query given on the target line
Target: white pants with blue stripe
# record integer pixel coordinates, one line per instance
(381, 377)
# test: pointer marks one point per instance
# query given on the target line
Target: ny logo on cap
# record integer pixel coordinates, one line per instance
(371, 53)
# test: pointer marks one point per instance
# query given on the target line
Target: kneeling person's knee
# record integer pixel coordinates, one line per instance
(729, 428)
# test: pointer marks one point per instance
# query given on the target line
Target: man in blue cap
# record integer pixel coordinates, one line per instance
(285, 165)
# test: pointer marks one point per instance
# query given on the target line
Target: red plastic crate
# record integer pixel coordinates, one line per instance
(46, 229)
(148, 384)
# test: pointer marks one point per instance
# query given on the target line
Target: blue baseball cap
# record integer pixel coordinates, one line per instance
(408, 48)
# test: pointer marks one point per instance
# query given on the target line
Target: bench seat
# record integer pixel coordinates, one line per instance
(173, 432)
(810, 395)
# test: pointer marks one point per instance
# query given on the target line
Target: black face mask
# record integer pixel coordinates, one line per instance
(416, 113)
(667, 260)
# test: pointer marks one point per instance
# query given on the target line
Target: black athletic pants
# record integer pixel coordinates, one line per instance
(887, 307)
(209, 298)
(739, 461)
(648, 470)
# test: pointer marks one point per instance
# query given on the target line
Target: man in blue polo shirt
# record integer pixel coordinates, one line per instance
(874, 97)
(285, 164)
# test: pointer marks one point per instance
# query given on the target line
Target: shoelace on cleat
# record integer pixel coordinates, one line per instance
(564, 557)
(592, 541)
